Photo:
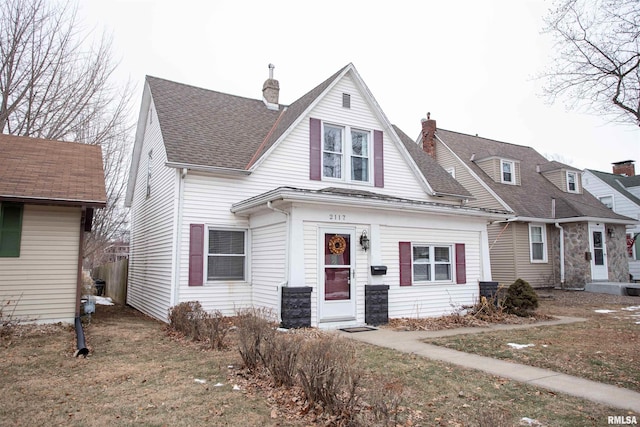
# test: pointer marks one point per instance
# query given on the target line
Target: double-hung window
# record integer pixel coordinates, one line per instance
(346, 153)
(607, 201)
(572, 182)
(227, 259)
(538, 243)
(507, 171)
(431, 263)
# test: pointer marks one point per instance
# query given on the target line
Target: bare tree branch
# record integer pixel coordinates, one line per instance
(596, 61)
(56, 84)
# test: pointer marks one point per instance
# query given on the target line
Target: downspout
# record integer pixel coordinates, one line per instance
(82, 347)
(559, 227)
(288, 244)
(285, 282)
(176, 278)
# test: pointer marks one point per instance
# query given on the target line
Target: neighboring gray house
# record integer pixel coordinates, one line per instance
(560, 235)
(306, 210)
(620, 191)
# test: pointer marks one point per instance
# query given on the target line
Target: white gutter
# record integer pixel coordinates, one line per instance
(395, 205)
(210, 169)
(574, 219)
(559, 227)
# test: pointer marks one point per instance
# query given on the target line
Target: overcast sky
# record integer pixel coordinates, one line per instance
(472, 64)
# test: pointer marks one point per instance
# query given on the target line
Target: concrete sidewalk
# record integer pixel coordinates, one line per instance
(411, 342)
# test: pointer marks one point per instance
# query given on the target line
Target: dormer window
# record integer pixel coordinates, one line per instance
(507, 172)
(572, 182)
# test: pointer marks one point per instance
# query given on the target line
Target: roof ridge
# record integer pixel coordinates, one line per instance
(486, 139)
(207, 90)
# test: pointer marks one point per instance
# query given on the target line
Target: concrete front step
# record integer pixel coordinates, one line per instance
(614, 288)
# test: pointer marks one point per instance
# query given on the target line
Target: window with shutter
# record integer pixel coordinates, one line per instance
(226, 255)
(423, 263)
(10, 229)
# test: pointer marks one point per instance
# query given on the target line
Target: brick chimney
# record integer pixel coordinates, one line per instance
(429, 136)
(271, 90)
(625, 167)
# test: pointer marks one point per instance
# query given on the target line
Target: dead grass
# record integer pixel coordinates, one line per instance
(604, 349)
(137, 373)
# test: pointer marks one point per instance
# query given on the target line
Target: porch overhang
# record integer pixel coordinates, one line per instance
(362, 199)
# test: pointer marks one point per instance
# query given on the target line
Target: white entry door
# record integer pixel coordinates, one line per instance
(337, 279)
(598, 249)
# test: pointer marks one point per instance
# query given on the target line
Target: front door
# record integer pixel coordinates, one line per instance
(337, 288)
(598, 252)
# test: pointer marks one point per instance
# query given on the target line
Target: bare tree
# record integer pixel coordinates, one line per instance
(57, 84)
(596, 59)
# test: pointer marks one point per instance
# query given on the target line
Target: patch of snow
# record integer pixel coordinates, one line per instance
(103, 300)
(545, 345)
(632, 308)
(519, 346)
(526, 421)
(236, 387)
(604, 311)
(219, 385)
(199, 381)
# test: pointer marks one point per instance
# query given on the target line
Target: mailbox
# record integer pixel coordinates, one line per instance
(378, 270)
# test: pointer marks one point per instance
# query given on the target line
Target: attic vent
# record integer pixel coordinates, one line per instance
(346, 100)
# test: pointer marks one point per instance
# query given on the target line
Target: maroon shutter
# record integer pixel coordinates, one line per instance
(315, 151)
(378, 159)
(461, 264)
(405, 263)
(196, 254)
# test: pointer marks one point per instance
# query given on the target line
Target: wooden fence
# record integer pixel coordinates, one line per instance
(115, 276)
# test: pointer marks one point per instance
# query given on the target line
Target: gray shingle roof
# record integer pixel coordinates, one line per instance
(533, 197)
(436, 176)
(617, 183)
(208, 128)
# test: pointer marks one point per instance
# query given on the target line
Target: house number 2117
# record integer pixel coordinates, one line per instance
(337, 217)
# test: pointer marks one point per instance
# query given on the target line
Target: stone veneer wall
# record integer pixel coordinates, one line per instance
(577, 269)
(617, 260)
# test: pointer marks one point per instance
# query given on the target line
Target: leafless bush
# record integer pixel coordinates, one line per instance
(215, 328)
(8, 320)
(187, 318)
(329, 377)
(492, 417)
(254, 326)
(279, 353)
(384, 403)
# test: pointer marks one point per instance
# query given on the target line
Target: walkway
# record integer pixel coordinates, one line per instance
(411, 342)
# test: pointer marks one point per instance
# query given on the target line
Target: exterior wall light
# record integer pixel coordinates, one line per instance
(364, 240)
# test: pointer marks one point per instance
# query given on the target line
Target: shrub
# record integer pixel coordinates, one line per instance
(254, 327)
(521, 299)
(279, 354)
(215, 328)
(328, 375)
(187, 318)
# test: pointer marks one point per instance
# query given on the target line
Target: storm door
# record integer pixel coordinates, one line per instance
(337, 288)
(598, 250)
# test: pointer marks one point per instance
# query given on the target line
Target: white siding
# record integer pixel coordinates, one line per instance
(621, 205)
(152, 224)
(429, 300)
(268, 248)
(41, 283)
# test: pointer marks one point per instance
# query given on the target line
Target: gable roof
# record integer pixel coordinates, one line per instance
(439, 179)
(533, 198)
(45, 171)
(616, 182)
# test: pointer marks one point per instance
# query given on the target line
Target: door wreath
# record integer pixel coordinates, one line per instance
(337, 245)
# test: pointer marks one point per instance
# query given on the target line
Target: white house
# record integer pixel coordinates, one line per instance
(620, 192)
(321, 211)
